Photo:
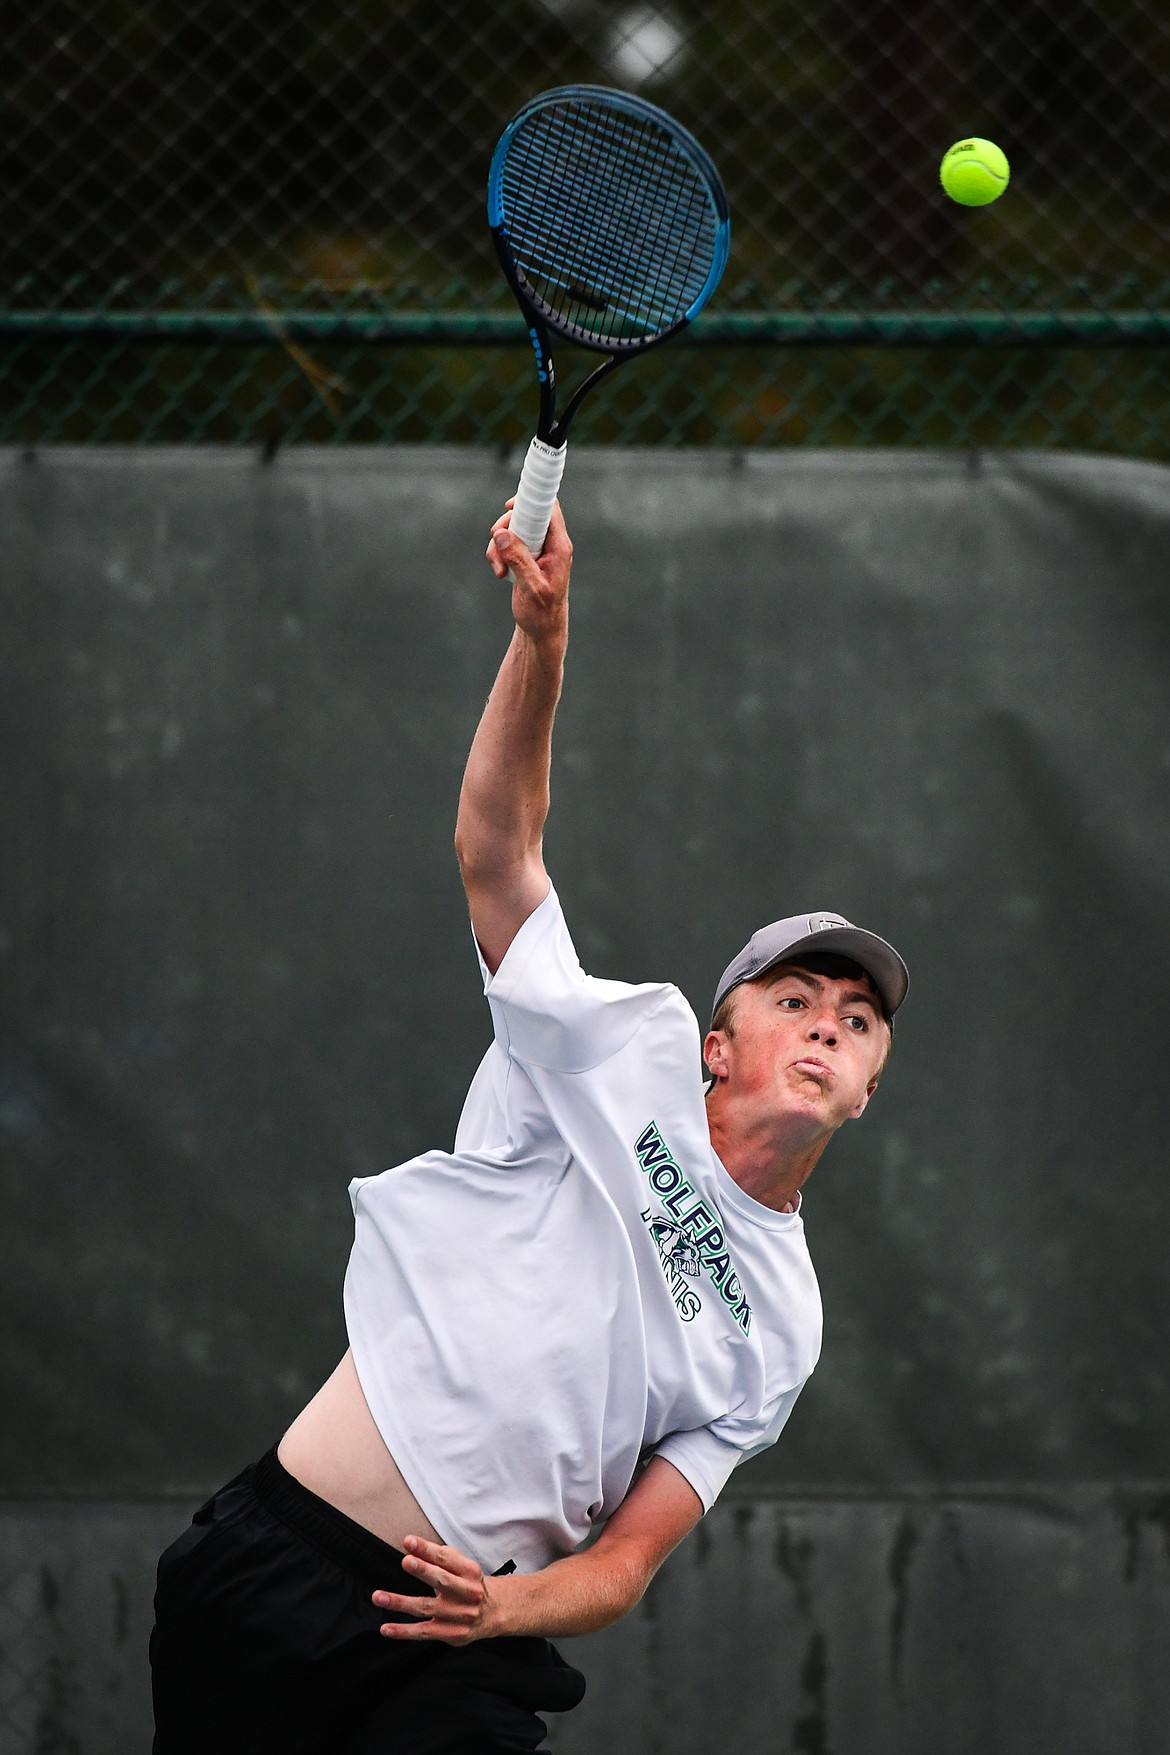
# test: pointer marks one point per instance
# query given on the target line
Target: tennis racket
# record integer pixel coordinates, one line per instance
(611, 226)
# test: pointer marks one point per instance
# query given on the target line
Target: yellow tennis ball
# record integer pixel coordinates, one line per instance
(974, 172)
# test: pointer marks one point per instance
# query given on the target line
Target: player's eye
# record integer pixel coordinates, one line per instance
(858, 1022)
(792, 1000)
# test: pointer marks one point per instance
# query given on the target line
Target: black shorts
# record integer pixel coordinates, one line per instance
(266, 1643)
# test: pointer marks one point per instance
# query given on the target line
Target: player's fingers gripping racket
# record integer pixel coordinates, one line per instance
(611, 225)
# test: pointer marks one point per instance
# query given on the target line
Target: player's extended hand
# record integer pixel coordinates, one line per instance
(540, 588)
(459, 1611)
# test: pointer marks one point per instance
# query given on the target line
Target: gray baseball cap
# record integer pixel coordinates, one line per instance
(784, 941)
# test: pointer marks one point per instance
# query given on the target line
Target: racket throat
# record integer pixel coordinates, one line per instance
(561, 427)
(554, 428)
(550, 426)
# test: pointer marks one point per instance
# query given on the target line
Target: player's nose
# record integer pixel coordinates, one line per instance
(824, 1032)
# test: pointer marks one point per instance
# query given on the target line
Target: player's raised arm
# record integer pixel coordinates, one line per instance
(505, 796)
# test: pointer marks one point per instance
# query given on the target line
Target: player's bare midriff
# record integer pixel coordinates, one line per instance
(335, 1450)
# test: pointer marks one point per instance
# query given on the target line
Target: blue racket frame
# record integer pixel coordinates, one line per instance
(550, 428)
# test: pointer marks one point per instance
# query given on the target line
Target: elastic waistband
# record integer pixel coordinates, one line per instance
(356, 1550)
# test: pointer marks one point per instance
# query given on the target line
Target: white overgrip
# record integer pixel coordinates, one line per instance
(540, 479)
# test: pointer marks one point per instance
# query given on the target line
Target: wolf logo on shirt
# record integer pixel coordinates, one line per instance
(675, 1246)
(680, 1263)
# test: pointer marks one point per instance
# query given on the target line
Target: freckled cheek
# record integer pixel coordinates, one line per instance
(763, 1064)
(775, 1060)
(761, 1070)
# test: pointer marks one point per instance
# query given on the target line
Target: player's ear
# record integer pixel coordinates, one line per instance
(715, 1053)
(858, 1110)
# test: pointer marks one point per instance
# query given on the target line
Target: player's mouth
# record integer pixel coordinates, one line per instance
(817, 1069)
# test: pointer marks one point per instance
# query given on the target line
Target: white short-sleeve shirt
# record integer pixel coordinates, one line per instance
(580, 1282)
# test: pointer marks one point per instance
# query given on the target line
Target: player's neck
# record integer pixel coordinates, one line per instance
(767, 1159)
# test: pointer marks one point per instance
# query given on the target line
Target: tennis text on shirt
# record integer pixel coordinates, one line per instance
(689, 1233)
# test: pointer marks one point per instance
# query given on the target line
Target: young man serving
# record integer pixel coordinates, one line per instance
(587, 1314)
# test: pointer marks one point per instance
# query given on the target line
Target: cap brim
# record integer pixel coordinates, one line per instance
(880, 960)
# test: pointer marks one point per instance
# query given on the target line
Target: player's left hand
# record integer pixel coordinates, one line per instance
(459, 1611)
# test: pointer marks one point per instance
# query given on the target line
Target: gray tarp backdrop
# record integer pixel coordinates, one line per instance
(928, 691)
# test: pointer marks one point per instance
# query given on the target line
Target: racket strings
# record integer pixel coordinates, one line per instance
(652, 234)
(644, 298)
(633, 249)
(587, 239)
(610, 223)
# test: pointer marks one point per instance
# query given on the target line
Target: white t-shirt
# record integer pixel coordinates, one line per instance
(580, 1282)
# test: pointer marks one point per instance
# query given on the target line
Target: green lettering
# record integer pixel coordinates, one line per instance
(718, 1267)
(673, 1202)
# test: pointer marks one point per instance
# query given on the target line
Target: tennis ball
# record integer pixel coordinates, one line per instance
(974, 172)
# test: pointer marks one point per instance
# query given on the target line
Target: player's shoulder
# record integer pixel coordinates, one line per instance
(667, 1018)
(674, 1010)
(649, 1021)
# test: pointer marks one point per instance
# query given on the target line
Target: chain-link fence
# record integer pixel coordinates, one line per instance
(266, 220)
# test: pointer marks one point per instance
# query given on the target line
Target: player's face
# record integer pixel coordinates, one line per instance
(807, 1044)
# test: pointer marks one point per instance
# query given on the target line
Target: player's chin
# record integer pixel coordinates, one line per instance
(820, 1104)
(803, 1087)
(806, 1100)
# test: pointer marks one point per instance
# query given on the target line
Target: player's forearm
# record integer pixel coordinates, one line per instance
(504, 800)
(580, 1594)
(576, 1595)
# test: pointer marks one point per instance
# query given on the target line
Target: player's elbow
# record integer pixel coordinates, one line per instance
(464, 850)
(482, 855)
(500, 858)
(630, 1573)
(484, 862)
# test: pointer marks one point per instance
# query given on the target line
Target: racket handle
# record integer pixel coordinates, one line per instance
(539, 480)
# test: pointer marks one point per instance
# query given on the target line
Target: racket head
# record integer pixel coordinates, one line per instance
(609, 218)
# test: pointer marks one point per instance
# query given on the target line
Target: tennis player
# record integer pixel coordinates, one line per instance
(582, 1318)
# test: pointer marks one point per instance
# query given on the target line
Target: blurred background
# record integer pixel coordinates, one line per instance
(238, 222)
(870, 615)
